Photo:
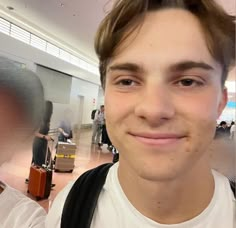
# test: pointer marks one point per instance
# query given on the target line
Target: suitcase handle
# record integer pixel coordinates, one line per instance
(46, 157)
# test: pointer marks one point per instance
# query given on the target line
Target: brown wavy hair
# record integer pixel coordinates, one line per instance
(127, 15)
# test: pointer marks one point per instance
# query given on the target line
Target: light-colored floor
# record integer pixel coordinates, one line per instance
(87, 156)
(221, 154)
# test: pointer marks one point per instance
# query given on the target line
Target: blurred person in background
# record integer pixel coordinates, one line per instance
(21, 106)
(232, 130)
(42, 139)
(222, 131)
(98, 122)
(65, 128)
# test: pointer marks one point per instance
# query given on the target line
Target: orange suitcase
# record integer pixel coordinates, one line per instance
(40, 180)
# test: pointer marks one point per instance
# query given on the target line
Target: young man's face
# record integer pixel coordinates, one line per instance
(13, 124)
(163, 95)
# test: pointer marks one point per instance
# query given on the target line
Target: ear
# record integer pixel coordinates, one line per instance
(223, 101)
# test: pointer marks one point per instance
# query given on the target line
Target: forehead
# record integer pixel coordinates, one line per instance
(168, 35)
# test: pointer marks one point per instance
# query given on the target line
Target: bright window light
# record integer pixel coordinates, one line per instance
(5, 26)
(231, 86)
(52, 49)
(38, 42)
(20, 34)
(64, 55)
(75, 60)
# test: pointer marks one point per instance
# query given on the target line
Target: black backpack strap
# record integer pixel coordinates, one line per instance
(232, 185)
(82, 199)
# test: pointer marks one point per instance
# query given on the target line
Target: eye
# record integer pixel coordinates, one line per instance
(126, 82)
(188, 82)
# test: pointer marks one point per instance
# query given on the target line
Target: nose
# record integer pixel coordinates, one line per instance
(155, 104)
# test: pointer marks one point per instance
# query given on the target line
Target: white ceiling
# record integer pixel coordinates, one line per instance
(69, 23)
(73, 24)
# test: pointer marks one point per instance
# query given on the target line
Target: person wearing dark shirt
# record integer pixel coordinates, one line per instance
(42, 138)
(222, 130)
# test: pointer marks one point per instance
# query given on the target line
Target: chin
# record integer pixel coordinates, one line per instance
(160, 168)
(159, 173)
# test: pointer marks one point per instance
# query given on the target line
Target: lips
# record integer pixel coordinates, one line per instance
(157, 138)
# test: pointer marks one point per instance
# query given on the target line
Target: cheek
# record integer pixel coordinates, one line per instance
(12, 121)
(117, 106)
(199, 117)
(14, 127)
(8, 136)
(201, 131)
(11, 117)
(120, 99)
(206, 128)
(116, 111)
(201, 109)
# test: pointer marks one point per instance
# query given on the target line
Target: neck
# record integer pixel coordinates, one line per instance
(172, 201)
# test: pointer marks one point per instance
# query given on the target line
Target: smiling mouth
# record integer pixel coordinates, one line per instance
(158, 139)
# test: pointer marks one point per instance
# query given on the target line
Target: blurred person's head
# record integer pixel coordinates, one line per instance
(223, 124)
(68, 116)
(102, 108)
(21, 106)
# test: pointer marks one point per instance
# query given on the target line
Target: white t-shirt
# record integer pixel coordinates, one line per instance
(99, 117)
(19, 211)
(114, 209)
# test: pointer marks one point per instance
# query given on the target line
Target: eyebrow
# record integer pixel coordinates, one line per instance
(132, 67)
(176, 67)
(187, 65)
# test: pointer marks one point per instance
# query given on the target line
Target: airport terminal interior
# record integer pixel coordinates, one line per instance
(87, 156)
(55, 40)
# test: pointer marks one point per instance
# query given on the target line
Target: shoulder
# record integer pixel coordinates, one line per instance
(219, 178)
(111, 183)
(54, 215)
(223, 183)
(20, 208)
(96, 112)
